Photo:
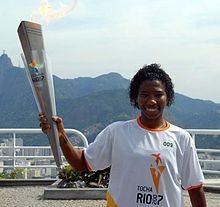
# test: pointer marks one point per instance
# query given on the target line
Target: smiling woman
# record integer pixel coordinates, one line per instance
(151, 90)
(151, 160)
(152, 100)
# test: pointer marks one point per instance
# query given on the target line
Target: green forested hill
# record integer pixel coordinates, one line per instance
(89, 104)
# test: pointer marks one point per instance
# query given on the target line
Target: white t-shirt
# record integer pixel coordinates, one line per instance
(148, 167)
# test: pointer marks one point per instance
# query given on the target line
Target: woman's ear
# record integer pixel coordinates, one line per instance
(136, 103)
(167, 102)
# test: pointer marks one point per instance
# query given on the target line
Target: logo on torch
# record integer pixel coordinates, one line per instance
(35, 71)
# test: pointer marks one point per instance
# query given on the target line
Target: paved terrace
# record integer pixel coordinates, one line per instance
(33, 196)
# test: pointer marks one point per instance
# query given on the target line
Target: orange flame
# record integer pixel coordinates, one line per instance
(47, 13)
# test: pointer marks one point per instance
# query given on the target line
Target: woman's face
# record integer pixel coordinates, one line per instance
(152, 99)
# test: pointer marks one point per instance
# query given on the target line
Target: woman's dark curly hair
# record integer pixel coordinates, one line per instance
(150, 72)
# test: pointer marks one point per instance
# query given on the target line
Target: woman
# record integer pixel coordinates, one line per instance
(151, 160)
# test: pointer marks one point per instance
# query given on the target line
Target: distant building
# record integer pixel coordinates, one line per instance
(26, 151)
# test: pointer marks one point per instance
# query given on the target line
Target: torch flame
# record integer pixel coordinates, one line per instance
(47, 13)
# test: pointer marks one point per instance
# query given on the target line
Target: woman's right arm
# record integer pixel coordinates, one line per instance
(75, 157)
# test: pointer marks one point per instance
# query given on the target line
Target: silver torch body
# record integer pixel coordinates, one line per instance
(40, 78)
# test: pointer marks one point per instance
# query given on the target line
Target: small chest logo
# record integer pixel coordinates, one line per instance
(167, 144)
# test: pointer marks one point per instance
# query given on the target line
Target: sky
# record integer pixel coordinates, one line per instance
(100, 36)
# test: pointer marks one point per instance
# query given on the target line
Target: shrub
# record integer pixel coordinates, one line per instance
(71, 178)
(17, 173)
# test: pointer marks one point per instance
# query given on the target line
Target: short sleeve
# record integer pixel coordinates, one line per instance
(191, 174)
(99, 153)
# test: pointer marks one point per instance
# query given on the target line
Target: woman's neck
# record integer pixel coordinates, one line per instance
(154, 124)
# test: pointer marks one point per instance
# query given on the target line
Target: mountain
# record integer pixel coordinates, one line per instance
(73, 88)
(89, 104)
(196, 113)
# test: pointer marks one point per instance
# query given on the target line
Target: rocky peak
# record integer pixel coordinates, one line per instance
(5, 61)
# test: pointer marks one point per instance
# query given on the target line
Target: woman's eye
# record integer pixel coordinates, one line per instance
(159, 95)
(144, 95)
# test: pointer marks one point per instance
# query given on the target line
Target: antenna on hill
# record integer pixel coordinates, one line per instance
(3, 52)
(19, 63)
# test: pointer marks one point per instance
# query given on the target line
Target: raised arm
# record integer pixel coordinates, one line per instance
(74, 156)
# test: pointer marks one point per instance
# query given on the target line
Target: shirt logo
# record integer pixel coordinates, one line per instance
(157, 171)
(167, 144)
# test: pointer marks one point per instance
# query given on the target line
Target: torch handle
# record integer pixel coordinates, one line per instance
(54, 143)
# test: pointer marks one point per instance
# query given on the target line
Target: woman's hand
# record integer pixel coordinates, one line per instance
(74, 156)
(60, 126)
(45, 126)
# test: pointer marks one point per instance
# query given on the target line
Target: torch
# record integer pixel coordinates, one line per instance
(40, 78)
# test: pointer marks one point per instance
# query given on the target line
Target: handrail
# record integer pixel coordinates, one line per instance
(214, 132)
(38, 131)
(204, 131)
(14, 157)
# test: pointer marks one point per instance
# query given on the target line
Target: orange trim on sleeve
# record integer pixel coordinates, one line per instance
(150, 129)
(193, 187)
(86, 162)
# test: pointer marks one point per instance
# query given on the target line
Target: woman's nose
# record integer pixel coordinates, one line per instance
(151, 101)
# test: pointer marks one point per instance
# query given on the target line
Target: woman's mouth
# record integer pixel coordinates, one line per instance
(150, 109)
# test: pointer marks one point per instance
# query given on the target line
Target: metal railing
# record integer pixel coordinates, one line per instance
(214, 132)
(14, 147)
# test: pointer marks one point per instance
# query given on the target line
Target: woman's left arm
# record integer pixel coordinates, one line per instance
(197, 197)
